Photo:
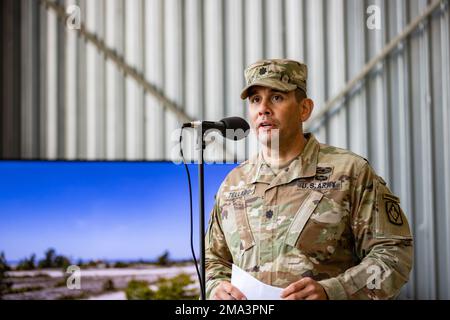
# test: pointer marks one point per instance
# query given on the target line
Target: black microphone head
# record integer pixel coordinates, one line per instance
(236, 128)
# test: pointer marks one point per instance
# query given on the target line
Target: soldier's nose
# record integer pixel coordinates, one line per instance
(264, 110)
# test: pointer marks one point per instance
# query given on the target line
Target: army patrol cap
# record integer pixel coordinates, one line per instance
(280, 74)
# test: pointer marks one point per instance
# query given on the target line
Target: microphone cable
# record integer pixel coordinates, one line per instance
(191, 217)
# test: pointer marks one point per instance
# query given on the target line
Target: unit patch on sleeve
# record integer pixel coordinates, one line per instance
(393, 210)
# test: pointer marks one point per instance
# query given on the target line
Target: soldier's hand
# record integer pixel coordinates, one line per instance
(226, 291)
(304, 289)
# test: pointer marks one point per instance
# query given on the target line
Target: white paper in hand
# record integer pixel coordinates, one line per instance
(251, 287)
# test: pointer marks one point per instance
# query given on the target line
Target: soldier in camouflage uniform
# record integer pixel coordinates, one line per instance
(313, 219)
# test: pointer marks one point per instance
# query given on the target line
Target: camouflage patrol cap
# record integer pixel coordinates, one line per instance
(280, 74)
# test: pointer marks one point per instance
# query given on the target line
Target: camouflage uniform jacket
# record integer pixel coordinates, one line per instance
(327, 216)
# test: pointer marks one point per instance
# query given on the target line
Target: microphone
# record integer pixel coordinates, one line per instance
(240, 127)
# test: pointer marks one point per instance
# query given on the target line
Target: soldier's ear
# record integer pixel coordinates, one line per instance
(306, 109)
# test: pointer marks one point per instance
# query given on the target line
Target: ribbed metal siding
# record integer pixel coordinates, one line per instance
(75, 105)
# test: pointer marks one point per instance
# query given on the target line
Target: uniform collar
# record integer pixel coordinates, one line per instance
(303, 166)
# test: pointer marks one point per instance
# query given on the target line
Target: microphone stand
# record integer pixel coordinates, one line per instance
(201, 145)
(202, 127)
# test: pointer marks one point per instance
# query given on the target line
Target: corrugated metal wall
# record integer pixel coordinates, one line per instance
(63, 100)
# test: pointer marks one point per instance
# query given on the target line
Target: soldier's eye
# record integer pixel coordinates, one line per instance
(255, 99)
(277, 98)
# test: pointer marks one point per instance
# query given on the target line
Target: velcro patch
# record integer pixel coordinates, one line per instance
(229, 195)
(393, 209)
(324, 170)
(328, 185)
(323, 173)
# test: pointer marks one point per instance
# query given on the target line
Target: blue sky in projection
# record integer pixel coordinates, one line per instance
(100, 210)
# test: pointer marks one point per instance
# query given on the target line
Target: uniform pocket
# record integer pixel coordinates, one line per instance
(236, 226)
(323, 233)
(245, 232)
(302, 216)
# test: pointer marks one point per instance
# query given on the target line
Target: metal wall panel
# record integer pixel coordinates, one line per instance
(420, 103)
(173, 67)
(399, 116)
(316, 56)
(356, 57)
(336, 64)
(115, 82)
(194, 68)
(70, 105)
(69, 102)
(134, 111)
(30, 93)
(11, 79)
(235, 61)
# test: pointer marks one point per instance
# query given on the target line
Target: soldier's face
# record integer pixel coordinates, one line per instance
(274, 115)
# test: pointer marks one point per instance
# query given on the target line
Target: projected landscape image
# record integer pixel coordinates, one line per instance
(98, 230)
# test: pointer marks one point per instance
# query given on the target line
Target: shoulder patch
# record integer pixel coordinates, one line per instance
(392, 208)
